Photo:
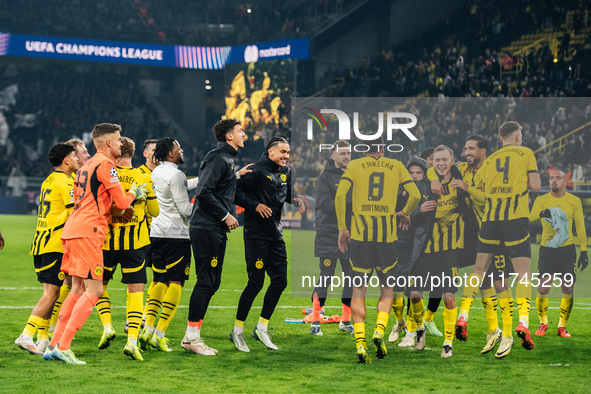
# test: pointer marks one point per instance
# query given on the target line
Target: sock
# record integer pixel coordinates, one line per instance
(566, 305)
(411, 324)
(169, 305)
(382, 322)
(103, 307)
(156, 294)
(64, 291)
(193, 330)
(150, 289)
(32, 325)
(398, 305)
(428, 315)
(490, 302)
(470, 291)
(134, 313)
(64, 318)
(416, 311)
(43, 330)
(80, 313)
(359, 334)
(506, 304)
(542, 307)
(316, 308)
(239, 326)
(450, 316)
(523, 298)
(263, 324)
(346, 313)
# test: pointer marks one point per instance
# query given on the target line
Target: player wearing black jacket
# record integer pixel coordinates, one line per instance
(326, 241)
(262, 194)
(211, 219)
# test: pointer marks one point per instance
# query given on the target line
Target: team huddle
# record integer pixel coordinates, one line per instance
(422, 221)
(447, 217)
(99, 212)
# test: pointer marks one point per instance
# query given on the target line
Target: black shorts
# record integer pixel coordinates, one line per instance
(500, 269)
(561, 261)
(133, 265)
(47, 267)
(435, 272)
(403, 267)
(171, 259)
(262, 255)
(513, 234)
(367, 256)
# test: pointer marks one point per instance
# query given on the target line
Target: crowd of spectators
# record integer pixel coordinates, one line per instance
(173, 22)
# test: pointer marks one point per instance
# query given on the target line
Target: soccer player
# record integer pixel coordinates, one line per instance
(475, 150)
(262, 194)
(211, 220)
(151, 163)
(326, 240)
(125, 243)
(95, 187)
(1, 241)
(439, 254)
(171, 247)
(417, 168)
(56, 203)
(558, 260)
(506, 175)
(147, 168)
(374, 180)
(82, 155)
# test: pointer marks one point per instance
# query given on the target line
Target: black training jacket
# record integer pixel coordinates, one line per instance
(267, 184)
(327, 229)
(216, 190)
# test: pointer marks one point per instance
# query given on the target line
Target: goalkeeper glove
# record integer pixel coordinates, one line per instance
(583, 261)
(140, 192)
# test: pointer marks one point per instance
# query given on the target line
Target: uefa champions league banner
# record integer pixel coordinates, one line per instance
(205, 58)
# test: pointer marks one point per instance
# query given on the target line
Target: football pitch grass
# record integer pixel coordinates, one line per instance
(304, 363)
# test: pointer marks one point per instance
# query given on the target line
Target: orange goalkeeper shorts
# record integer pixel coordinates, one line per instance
(83, 257)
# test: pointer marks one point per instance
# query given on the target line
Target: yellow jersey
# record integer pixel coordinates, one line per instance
(56, 203)
(448, 228)
(375, 182)
(133, 234)
(504, 176)
(145, 170)
(571, 205)
(477, 200)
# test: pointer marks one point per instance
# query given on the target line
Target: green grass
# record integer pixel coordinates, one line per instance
(303, 363)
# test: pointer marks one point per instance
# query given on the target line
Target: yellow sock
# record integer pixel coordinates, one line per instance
(359, 334)
(506, 304)
(43, 330)
(523, 298)
(169, 305)
(382, 322)
(64, 291)
(542, 306)
(398, 305)
(417, 312)
(103, 307)
(156, 294)
(566, 305)
(450, 316)
(134, 313)
(239, 323)
(411, 324)
(490, 302)
(428, 315)
(32, 325)
(470, 291)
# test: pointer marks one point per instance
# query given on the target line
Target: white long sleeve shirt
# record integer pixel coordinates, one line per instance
(171, 188)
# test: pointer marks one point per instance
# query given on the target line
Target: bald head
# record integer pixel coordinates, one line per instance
(558, 182)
